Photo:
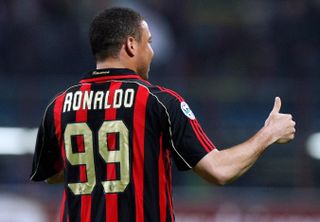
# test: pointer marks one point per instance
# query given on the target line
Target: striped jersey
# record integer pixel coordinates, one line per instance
(114, 135)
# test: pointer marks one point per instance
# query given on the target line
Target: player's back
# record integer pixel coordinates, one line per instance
(112, 135)
(112, 142)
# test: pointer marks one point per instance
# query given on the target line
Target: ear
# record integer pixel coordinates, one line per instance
(131, 46)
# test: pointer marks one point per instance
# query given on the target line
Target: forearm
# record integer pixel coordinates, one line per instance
(227, 165)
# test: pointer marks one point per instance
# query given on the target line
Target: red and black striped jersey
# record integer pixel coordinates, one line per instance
(113, 135)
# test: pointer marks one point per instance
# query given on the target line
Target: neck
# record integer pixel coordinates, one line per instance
(114, 63)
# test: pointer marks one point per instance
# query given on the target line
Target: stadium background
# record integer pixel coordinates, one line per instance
(229, 59)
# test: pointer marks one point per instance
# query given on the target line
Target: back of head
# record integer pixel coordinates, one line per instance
(110, 29)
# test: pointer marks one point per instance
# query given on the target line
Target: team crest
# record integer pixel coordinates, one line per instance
(187, 111)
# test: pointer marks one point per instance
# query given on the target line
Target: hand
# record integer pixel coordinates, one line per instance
(282, 126)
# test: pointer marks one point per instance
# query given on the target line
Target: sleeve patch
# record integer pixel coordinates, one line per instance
(187, 111)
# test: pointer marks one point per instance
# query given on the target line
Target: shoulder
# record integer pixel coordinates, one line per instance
(60, 95)
(167, 97)
(169, 93)
(172, 101)
(159, 92)
(58, 98)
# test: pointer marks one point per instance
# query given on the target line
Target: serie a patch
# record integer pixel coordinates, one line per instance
(187, 111)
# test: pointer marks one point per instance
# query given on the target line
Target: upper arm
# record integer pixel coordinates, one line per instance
(207, 167)
(189, 143)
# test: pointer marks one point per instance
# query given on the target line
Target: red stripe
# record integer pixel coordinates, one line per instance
(57, 110)
(196, 126)
(111, 199)
(162, 184)
(169, 183)
(111, 171)
(63, 204)
(111, 167)
(57, 113)
(112, 207)
(83, 174)
(110, 114)
(86, 208)
(82, 116)
(80, 145)
(173, 93)
(111, 138)
(199, 136)
(139, 116)
(211, 145)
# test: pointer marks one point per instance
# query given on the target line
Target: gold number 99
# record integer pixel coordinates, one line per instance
(110, 156)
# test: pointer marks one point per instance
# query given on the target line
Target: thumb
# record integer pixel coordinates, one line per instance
(277, 105)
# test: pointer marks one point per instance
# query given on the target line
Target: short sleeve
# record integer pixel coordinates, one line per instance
(189, 142)
(46, 159)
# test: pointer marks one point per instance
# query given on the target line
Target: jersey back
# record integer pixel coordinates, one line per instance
(113, 135)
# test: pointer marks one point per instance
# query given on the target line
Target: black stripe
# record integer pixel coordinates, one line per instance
(151, 157)
(73, 206)
(98, 204)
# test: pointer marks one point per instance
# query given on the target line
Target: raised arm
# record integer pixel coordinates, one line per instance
(221, 167)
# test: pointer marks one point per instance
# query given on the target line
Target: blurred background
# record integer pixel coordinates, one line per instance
(228, 59)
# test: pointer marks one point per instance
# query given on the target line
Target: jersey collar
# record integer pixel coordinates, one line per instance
(100, 75)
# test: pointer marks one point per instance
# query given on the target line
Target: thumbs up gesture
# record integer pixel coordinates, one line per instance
(281, 126)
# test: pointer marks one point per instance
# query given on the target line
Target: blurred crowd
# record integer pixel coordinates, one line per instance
(229, 59)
